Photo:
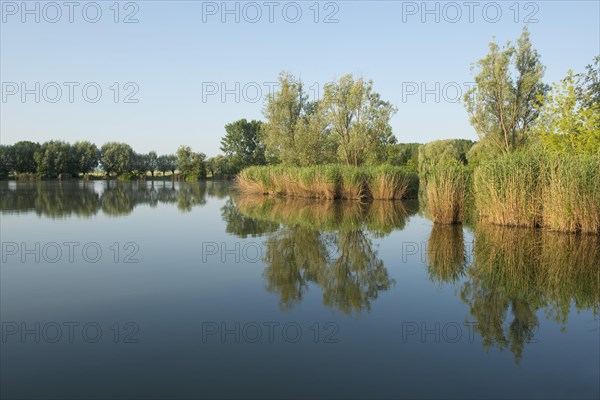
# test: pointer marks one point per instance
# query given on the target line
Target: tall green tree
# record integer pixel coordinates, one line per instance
(504, 102)
(191, 164)
(359, 119)
(441, 151)
(54, 158)
(6, 160)
(152, 162)
(296, 131)
(243, 143)
(23, 159)
(116, 158)
(569, 121)
(588, 84)
(166, 163)
(87, 156)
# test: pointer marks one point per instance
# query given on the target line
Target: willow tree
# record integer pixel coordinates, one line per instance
(504, 102)
(359, 119)
(296, 131)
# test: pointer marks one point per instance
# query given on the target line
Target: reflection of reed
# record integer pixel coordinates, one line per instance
(446, 253)
(517, 271)
(546, 267)
(377, 216)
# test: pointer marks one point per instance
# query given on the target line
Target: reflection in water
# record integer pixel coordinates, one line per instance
(85, 199)
(446, 255)
(327, 243)
(516, 272)
(242, 226)
(377, 217)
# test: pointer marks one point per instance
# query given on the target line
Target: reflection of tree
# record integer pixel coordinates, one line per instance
(446, 253)
(242, 226)
(356, 277)
(57, 199)
(343, 264)
(190, 195)
(516, 272)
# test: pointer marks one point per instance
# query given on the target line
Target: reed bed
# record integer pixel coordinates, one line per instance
(508, 190)
(446, 189)
(571, 202)
(556, 192)
(330, 182)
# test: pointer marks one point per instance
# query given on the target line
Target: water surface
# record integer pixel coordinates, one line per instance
(154, 290)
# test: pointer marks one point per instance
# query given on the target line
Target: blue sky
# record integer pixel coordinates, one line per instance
(179, 53)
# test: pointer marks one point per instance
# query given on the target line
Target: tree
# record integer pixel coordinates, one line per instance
(403, 154)
(243, 143)
(166, 163)
(86, 156)
(588, 84)
(6, 161)
(360, 119)
(296, 131)
(54, 158)
(503, 104)
(23, 159)
(569, 120)
(116, 158)
(139, 164)
(440, 151)
(152, 162)
(191, 165)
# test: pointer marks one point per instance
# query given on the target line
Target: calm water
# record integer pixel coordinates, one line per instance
(125, 290)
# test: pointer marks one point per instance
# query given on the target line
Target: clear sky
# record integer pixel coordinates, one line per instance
(180, 55)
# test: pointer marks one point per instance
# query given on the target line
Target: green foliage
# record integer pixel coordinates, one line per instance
(350, 125)
(86, 156)
(404, 154)
(440, 151)
(503, 104)
(588, 84)
(6, 161)
(116, 158)
(360, 120)
(296, 131)
(569, 121)
(243, 143)
(166, 163)
(191, 165)
(54, 158)
(23, 156)
(480, 152)
(152, 162)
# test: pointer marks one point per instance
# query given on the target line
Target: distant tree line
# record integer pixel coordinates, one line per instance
(59, 159)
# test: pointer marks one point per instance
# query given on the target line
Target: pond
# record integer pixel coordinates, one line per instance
(161, 289)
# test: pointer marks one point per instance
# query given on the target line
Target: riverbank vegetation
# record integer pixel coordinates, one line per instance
(535, 164)
(331, 181)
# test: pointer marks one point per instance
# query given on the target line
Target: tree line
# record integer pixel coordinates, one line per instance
(60, 159)
(510, 108)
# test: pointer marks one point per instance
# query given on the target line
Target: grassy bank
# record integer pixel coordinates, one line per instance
(330, 182)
